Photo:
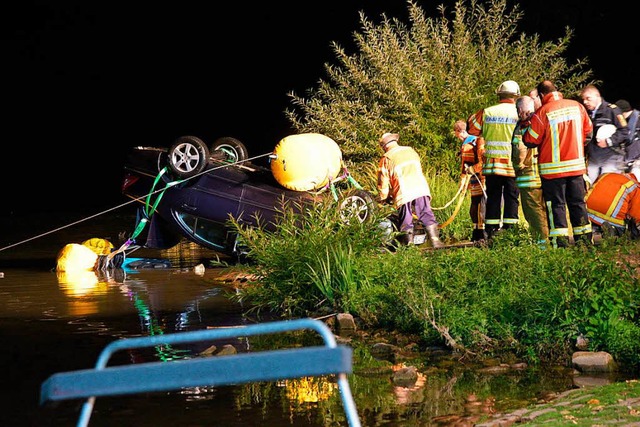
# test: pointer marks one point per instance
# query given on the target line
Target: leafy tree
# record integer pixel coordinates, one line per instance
(417, 79)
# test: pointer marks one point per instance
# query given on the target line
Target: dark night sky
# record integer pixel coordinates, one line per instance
(84, 81)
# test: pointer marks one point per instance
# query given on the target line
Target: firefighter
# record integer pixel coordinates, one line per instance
(495, 124)
(559, 129)
(525, 163)
(472, 165)
(604, 154)
(402, 182)
(613, 203)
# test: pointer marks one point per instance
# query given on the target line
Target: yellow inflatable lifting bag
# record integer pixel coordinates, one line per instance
(99, 246)
(74, 257)
(306, 161)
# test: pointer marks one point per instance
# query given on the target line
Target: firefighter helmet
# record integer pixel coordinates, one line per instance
(508, 87)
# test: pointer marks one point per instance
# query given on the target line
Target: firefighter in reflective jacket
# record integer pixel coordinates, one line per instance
(495, 124)
(472, 165)
(614, 202)
(559, 129)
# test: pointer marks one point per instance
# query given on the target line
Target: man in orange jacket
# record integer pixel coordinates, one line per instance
(614, 202)
(560, 129)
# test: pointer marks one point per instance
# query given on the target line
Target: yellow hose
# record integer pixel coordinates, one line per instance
(461, 193)
(461, 188)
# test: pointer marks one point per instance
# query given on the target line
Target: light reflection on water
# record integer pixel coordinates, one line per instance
(52, 322)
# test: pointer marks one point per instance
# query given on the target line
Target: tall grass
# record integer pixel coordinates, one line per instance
(513, 298)
(310, 261)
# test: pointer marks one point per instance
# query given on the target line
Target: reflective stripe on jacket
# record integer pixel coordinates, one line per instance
(559, 129)
(495, 124)
(525, 161)
(400, 176)
(470, 157)
(613, 198)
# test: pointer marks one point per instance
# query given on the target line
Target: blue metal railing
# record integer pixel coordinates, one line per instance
(206, 371)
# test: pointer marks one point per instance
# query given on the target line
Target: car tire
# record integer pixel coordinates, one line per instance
(229, 150)
(188, 156)
(359, 204)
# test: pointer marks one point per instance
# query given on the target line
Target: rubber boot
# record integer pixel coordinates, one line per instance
(434, 235)
(491, 231)
(584, 239)
(560, 241)
(478, 235)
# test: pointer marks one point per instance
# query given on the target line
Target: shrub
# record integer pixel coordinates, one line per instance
(623, 342)
(418, 78)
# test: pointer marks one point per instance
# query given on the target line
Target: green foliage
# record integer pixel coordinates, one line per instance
(418, 78)
(623, 342)
(519, 298)
(334, 276)
(308, 260)
(512, 297)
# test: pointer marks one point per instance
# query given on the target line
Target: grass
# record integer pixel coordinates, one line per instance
(512, 300)
(608, 405)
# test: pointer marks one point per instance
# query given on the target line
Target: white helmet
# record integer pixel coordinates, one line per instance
(606, 131)
(508, 87)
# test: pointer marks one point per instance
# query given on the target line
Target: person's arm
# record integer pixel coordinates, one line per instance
(518, 149)
(463, 162)
(480, 147)
(383, 181)
(535, 132)
(474, 124)
(621, 135)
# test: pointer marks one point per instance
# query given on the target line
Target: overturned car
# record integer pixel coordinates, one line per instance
(191, 190)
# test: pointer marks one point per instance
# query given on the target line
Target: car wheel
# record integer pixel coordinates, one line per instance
(188, 156)
(229, 150)
(358, 204)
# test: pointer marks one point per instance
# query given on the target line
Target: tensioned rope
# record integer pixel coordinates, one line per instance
(464, 186)
(126, 203)
(462, 190)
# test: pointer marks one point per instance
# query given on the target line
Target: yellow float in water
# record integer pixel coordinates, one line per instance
(76, 257)
(77, 283)
(306, 161)
(99, 246)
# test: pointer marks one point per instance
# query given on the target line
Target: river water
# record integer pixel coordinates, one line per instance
(52, 322)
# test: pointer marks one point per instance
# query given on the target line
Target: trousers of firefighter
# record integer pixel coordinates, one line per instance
(613, 200)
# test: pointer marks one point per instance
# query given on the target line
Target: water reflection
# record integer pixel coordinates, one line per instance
(78, 283)
(59, 322)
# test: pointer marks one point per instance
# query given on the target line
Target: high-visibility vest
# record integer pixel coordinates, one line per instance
(400, 175)
(499, 122)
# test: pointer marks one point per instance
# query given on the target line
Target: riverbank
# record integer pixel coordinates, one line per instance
(616, 404)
